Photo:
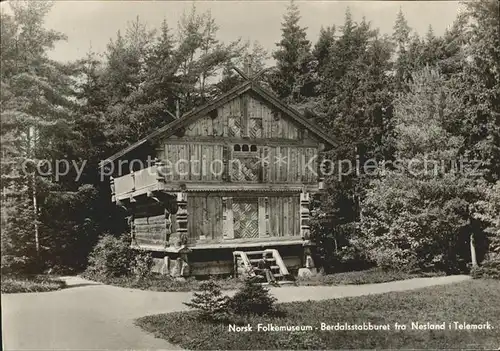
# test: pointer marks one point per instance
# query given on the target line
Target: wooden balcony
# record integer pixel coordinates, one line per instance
(136, 183)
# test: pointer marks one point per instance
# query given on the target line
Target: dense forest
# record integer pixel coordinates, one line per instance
(390, 99)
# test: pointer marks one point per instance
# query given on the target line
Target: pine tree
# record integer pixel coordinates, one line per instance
(453, 58)
(479, 86)
(357, 88)
(209, 302)
(321, 54)
(401, 37)
(129, 111)
(92, 100)
(322, 47)
(356, 92)
(432, 50)
(37, 123)
(201, 57)
(293, 78)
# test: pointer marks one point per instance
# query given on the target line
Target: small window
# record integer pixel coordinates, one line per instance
(237, 147)
(253, 148)
(244, 148)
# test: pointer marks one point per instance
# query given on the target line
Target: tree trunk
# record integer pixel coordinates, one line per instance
(31, 153)
(35, 213)
(473, 251)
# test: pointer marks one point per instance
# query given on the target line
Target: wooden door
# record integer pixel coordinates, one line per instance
(246, 218)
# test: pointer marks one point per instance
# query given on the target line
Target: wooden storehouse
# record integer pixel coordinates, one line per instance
(210, 191)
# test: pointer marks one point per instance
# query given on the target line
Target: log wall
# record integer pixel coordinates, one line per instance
(151, 230)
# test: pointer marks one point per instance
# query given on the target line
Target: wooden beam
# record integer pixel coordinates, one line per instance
(261, 141)
(230, 244)
(241, 73)
(161, 248)
(194, 186)
(244, 114)
(260, 73)
(171, 114)
(257, 243)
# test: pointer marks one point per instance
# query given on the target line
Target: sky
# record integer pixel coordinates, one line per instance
(93, 23)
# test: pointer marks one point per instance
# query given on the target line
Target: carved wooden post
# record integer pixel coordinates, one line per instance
(168, 227)
(319, 171)
(131, 225)
(305, 232)
(182, 218)
(112, 186)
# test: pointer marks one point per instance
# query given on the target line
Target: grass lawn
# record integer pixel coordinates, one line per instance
(475, 301)
(32, 283)
(162, 283)
(369, 276)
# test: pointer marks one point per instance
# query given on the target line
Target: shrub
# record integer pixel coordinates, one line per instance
(16, 264)
(487, 211)
(30, 283)
(333, 235)
(252, 298)
(301, 340)
(111, 257)
(418, 224)
(142, 264)
(488, 269)
(209, 302)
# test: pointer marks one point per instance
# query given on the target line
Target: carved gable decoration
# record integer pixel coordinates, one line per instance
(247, 111)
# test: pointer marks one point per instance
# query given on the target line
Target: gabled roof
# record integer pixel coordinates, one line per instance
(203, 110)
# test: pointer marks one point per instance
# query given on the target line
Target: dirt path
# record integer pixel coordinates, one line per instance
(88, 315)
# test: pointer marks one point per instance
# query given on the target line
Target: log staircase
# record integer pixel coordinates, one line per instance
(246, 265)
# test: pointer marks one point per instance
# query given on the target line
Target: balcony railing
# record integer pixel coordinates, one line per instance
(136, 183)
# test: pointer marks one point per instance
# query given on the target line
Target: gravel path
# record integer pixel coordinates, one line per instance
(87, 315)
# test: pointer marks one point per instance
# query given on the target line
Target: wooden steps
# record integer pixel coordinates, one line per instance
(256, 260)
(246, 263)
